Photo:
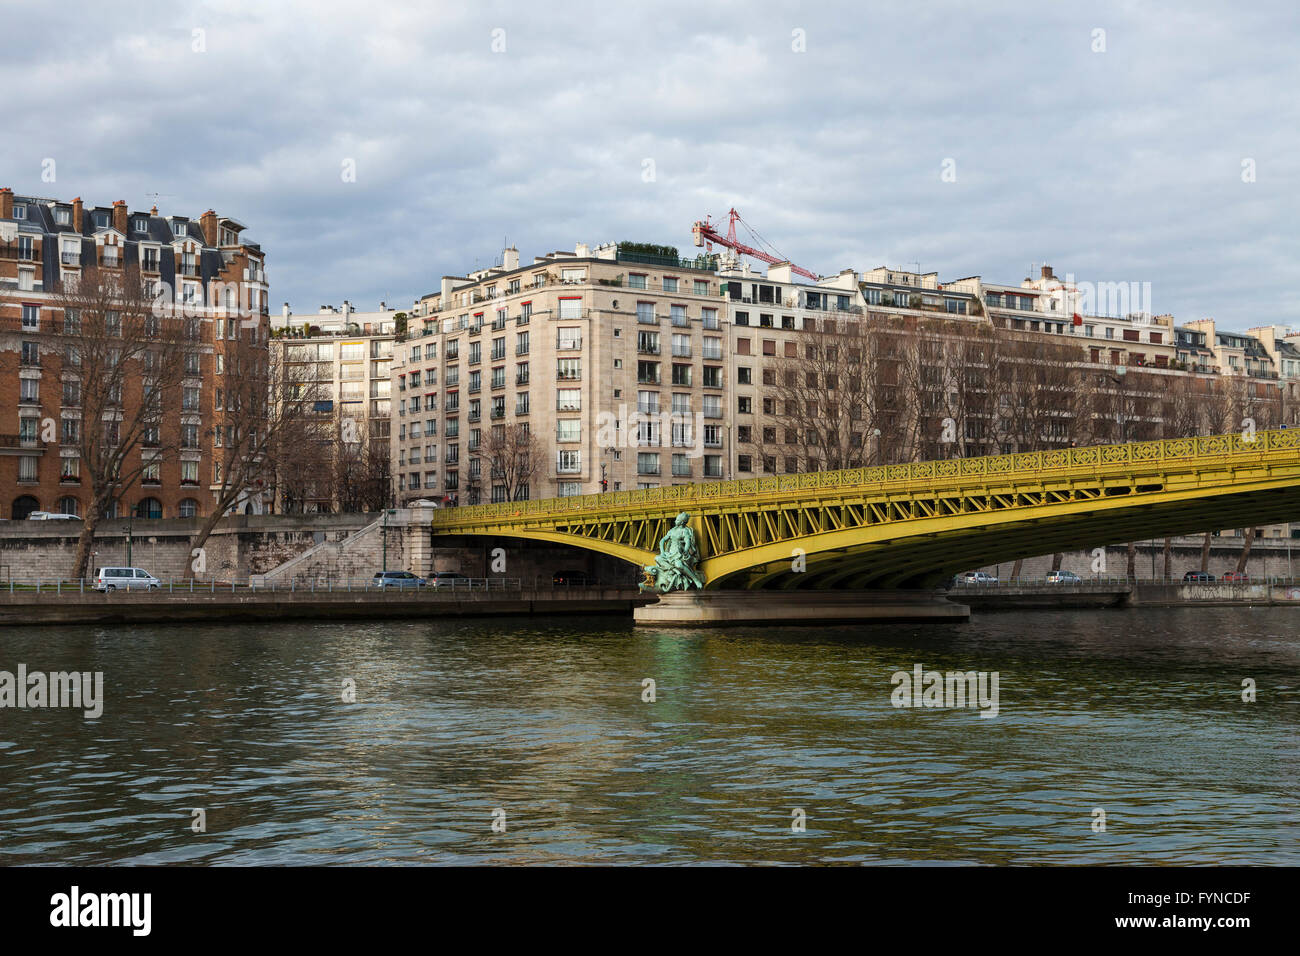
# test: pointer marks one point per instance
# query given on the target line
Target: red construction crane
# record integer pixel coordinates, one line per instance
(704, 233)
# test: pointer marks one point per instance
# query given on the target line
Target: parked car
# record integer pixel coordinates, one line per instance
(446, 579)
(1062, 577)
(396, 579)
(572, 579)
(1201, 576)
(1235, 576)
(51, 516)
(978, 577)
(125, 579)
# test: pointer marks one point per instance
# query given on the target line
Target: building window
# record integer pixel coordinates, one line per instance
(647, 463)
(569, 399)
(568, 489)
(568, 461)
(571, 308)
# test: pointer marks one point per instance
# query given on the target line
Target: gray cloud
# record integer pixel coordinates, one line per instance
(1115, 166)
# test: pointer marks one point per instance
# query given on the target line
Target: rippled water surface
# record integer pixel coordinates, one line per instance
(1138, 713)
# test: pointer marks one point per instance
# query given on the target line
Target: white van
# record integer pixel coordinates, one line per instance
(114, 579)
(51, 516)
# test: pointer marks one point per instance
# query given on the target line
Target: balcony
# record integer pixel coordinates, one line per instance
(568, 345)
(647, 349)
(702, 263)
(498, 354)
(70, 258)
(645, 318)
(521, 379)
(714, 354)
(20, 254)
(474, 416)
(683, 351)
(498, 413)
(644, 409)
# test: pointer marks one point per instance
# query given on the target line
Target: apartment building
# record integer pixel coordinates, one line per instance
(341, 359)
(612, 356)
(201, 267)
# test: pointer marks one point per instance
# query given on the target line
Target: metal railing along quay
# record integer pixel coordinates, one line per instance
(311, 586)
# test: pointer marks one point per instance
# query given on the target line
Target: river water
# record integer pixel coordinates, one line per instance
(1137, 714)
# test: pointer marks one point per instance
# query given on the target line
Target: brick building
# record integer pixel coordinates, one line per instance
(199, 265)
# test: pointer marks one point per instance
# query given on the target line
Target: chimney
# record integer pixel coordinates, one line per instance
(208, 223)
(446, 292)
(119, 216)
(510, 259)
(285, 313)
(6, 203)
(383, 307)
(1047, 272)
(78, 214)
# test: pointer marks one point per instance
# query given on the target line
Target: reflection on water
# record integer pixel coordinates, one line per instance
(1137, 712)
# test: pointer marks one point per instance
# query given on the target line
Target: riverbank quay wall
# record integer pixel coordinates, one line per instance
(252, 605)
(240, 545)
(288, 549)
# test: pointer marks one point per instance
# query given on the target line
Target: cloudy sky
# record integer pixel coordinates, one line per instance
(1120, 142)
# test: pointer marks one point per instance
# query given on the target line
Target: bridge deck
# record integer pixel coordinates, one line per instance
(912, 524)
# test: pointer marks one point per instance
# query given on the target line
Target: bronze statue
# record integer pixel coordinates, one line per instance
(674, 568)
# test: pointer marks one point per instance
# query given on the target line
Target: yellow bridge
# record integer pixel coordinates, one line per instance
(913, 525)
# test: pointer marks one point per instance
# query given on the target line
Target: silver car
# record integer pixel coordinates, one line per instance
(125, 579)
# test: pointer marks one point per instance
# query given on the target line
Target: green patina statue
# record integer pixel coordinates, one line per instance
(674, 569)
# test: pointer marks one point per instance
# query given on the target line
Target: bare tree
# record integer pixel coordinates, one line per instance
(301, 465)
(256, 405)
(123, 363)
(514, 457)
(360, 467)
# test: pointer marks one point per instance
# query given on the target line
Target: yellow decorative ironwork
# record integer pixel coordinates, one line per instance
(908, 523)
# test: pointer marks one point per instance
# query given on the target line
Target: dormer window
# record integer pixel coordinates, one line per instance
(101, 220)
(142, 225)
(62, 216)
(20, 212)
(181, 230)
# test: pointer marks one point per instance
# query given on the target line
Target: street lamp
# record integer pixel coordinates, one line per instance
(384, 531)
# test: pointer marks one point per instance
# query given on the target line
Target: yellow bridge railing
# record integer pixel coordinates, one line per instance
(1016, 465)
